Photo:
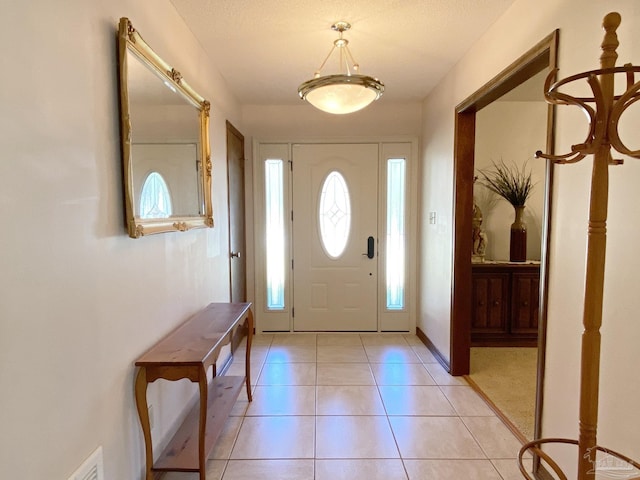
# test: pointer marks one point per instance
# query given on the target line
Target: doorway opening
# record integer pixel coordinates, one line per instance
(541, 58)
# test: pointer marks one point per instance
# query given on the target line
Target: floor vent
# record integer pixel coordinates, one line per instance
(91, 469)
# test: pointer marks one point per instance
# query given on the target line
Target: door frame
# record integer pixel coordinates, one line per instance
(262, 148)
(542, 56)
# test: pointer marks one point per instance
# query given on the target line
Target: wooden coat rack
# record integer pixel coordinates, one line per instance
(603, 135)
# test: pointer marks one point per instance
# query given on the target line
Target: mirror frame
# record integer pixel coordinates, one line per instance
(129, 40)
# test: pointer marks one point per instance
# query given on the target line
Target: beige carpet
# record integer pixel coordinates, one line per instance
(508, 377)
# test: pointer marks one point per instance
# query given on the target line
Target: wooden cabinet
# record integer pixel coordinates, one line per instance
(505, 299)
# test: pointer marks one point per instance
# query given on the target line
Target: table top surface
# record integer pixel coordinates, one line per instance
(193, 341)
(498, 265)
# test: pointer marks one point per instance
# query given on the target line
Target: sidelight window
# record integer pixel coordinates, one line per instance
(275, 232)
(396, 233)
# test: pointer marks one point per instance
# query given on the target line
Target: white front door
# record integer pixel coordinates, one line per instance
(335, 213)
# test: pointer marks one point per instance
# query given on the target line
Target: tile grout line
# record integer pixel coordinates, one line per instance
(378, 385)
(315, 420)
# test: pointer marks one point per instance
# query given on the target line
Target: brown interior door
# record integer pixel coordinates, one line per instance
(237, 243)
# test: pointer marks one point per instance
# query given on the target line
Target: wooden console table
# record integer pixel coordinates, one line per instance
(188, 352)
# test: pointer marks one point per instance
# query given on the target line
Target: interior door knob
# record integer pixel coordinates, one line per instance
(235, 254)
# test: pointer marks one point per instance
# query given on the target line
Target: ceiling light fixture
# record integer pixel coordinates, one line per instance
(343, 92)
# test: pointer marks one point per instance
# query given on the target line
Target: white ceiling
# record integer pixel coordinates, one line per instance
(266, 48)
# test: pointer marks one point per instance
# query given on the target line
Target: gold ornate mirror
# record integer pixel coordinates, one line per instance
(165, 142)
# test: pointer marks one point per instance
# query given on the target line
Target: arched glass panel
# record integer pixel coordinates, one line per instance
(155, 200)
(334, 214)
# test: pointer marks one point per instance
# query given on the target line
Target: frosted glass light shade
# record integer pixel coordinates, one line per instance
(340, 94)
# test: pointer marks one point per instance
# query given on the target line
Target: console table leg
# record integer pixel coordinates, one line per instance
(143, 413)
(204, 400)
(249, 324)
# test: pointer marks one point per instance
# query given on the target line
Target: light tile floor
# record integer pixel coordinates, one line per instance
(349, 406)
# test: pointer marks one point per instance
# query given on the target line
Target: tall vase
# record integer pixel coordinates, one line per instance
(518, 245)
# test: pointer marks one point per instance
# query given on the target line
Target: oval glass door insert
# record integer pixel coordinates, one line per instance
(334, 214)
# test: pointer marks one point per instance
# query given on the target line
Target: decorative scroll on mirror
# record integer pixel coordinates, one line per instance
(165, 142)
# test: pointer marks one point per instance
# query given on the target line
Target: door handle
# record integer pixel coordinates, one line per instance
(370, 247)
(235, 254)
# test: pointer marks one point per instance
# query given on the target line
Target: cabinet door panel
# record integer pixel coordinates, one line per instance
(490, 300)
(526, 292)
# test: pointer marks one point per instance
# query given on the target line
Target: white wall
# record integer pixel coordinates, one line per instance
(287, 122)
(522, 26)
(79, 300)
(511, 132)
